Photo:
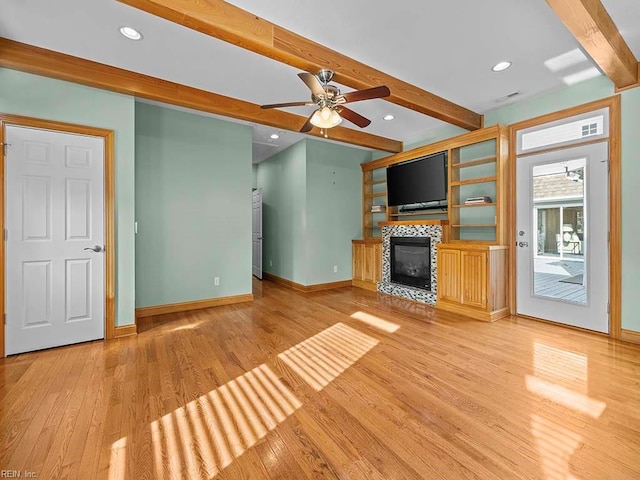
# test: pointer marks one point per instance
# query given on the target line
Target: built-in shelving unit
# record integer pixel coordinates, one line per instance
(472, 259)
(374, 192)
(476, 167)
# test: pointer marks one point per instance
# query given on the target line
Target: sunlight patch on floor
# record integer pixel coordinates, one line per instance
(376, 322)
(554, 363)
(118, 460)
(555, 445)
(561, 377)
(322, 358)
(201, 438)
(565, 397)
(207, 434)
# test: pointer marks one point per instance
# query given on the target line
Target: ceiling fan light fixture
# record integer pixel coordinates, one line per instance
(325, 117)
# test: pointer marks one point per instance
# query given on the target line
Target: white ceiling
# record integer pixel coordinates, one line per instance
(444, 47)
(626, 15)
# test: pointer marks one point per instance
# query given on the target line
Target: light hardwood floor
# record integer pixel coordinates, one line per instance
(333, 384)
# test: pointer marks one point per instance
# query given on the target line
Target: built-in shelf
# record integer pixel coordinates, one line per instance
(473, 163)
(473, 180)
(436, 221)
(472, 205)
(475, 225)
(477, 167)
(419, 212)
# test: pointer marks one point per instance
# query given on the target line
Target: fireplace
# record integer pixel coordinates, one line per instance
(411, 261)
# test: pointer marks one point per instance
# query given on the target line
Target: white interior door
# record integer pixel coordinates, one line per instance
(257, 233)
(562, 236)
(55, 239)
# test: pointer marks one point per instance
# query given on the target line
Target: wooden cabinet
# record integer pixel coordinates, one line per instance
(472, 261)
(472, 280)
(448, 274)
(367, 263)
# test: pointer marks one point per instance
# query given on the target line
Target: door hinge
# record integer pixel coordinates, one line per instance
(608, 307)
(6, 235)
(5, 145)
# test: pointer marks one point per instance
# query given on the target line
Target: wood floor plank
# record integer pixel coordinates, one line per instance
(209, 394)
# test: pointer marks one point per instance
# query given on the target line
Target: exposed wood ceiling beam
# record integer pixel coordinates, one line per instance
(27, 58)
(227, 22)
(594, 29)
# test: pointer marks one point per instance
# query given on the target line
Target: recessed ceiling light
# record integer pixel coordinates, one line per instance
(499, 67)
(275, 136)
(131, 33)
(388, 117)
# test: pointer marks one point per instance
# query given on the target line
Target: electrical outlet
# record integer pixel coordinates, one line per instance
(216, 281)
(335, 269)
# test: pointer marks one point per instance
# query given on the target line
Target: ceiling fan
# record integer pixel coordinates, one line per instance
(330, 102)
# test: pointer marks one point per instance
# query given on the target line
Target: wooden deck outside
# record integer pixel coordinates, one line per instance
(549, 284)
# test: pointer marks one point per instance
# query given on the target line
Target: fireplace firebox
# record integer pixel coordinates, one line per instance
(411, 261)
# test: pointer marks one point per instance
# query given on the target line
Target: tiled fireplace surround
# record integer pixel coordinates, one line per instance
(415, 294)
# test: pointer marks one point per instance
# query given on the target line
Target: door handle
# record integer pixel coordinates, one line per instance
(95, 248)
(523, 244)
(259, 238)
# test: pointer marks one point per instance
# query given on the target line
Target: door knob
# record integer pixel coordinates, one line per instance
(95, 248)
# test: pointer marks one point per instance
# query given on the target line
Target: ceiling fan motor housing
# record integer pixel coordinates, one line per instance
(325, 75)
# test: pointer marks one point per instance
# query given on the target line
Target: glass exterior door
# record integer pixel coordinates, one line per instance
(561, 238)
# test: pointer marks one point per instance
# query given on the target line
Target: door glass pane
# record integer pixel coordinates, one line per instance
(559, 222)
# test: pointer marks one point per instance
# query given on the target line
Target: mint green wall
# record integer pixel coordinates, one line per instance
(311, 205)
(193, 199)
(282, 179)
(334, 209)
(44, 98)
(630, 204)
(590, 90)
(435, 135)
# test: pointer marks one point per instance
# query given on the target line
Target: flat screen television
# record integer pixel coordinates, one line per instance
(419, 181)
